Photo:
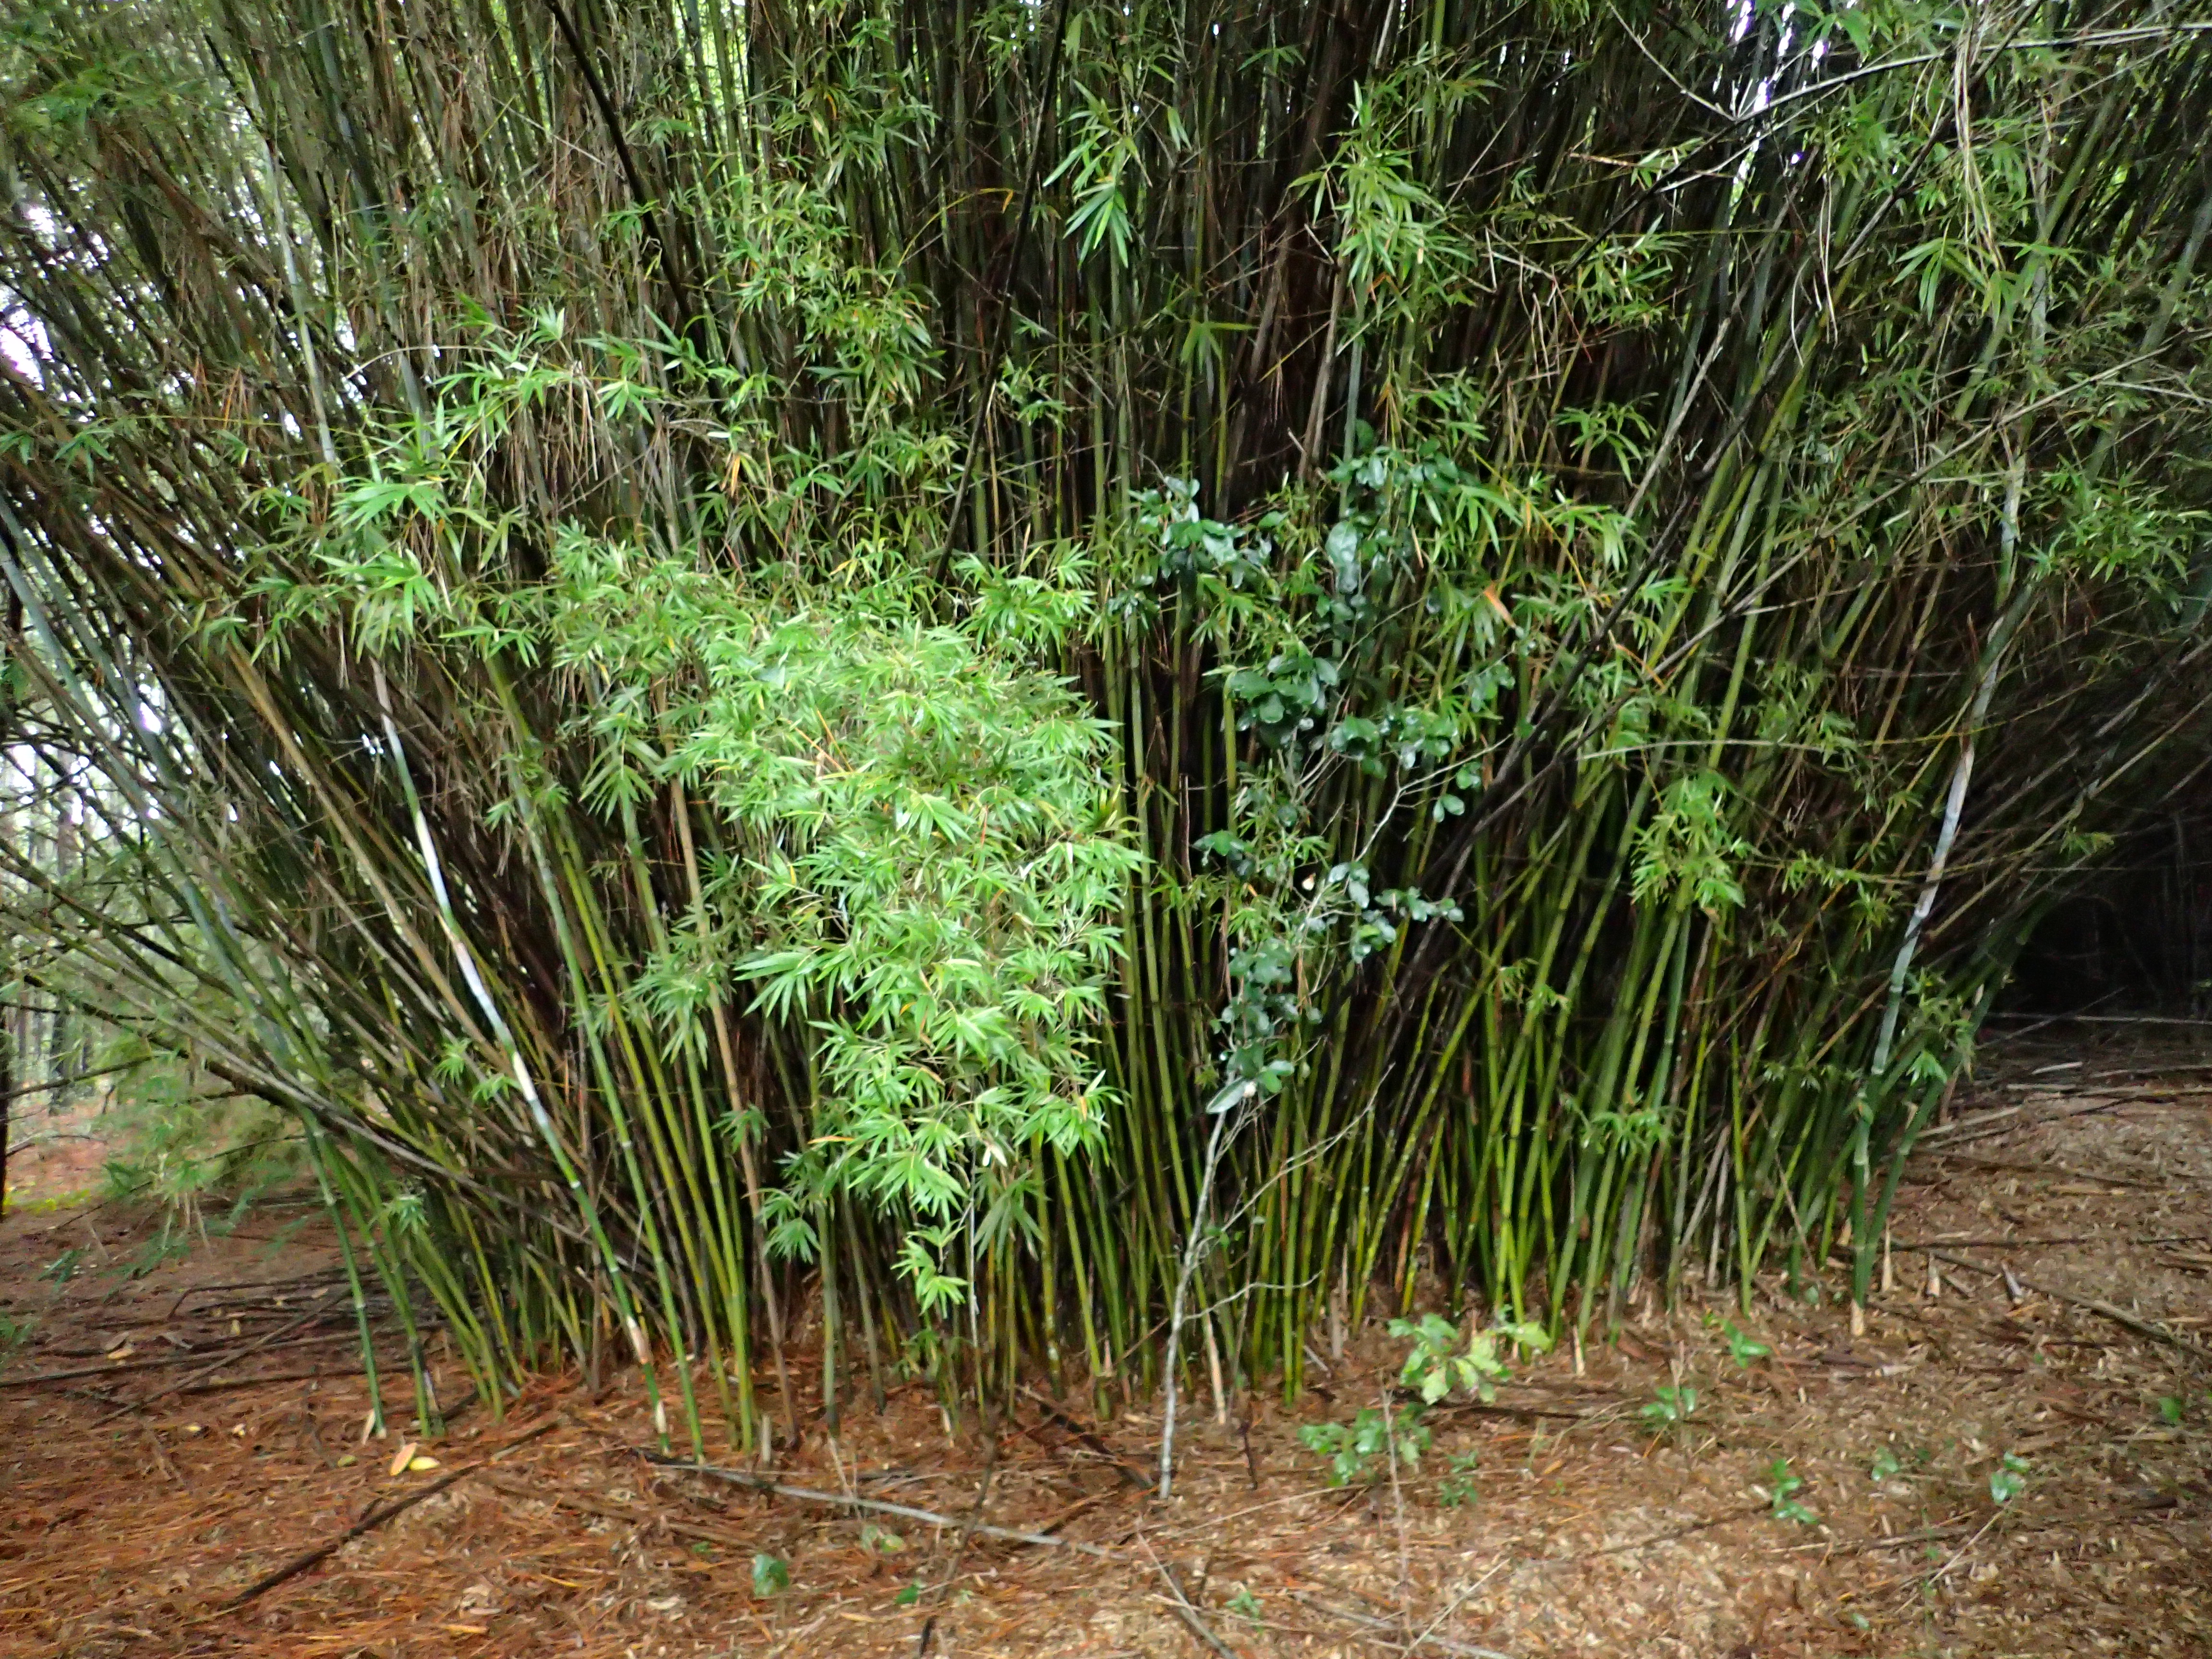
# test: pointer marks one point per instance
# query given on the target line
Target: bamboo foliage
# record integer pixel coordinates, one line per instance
(1093, 681)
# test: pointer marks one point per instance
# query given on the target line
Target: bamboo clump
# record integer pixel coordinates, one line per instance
(1081, 686)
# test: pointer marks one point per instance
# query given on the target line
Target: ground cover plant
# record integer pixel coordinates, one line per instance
(1086, 688)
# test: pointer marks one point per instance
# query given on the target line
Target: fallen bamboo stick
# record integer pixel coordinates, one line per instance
(584, 1504)
(320, 1306)
(375, 1518)
(2103, 1309)
(165, 1362)
(873, 1505)
(1441, 1643)
(1090, 1439)
(1181, 1606)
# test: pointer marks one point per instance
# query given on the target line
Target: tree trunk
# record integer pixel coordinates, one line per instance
(9, 646)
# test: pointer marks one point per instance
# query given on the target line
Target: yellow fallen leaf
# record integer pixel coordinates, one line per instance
(418, 1464)
(122, 1353)
(400, 1458)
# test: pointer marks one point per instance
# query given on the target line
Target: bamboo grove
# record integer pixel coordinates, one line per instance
(1072, 689)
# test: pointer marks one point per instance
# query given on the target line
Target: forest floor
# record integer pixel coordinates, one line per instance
(175, 1428)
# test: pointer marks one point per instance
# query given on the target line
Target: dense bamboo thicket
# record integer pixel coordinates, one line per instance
(1089, 686)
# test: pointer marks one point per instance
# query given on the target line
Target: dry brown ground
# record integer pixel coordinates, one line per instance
(122, 1529)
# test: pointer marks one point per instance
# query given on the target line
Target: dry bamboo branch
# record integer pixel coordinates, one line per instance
(2103, 1309)
(377, 1517)
(1384, 1627)
(871, 1506)
(320, 1306)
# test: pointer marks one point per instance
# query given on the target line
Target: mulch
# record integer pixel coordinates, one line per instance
(174, 1432)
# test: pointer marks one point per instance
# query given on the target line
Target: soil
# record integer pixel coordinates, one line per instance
(2014, 1456)
(55, 1153)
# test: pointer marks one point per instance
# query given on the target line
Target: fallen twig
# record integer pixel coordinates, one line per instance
(934, 1594)
(1458, 1602)
(320, 1306)
(227, 1384)
(162, 1361)
(315, 1434)
(1368, 1621)
(1499, 1408)
(1984, 1126)
(161, 1455)
(1903, 1540)
(2127, 1072)
(248, 1285)
(1081, 1506)
(2037, 1244)
(2048, 1171)
(873, 1505)
(583, 1505)
(1599, 1406)
(1968, 1128)
(2103, 1309)
(1661, 1538)
(376, 1517)
(2104, 1020)
(1129, 1471)
(1182, 1609)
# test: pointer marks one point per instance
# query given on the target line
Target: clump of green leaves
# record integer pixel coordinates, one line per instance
(1782, 1488)
(2009, 1478)
(934, 869)
(1671, 1408)
(1742, 1349)
(1439, 1365)
(1364, 1449)
(1884, 1466)
(178, 1137)
(771, 1575)
(1458, 1488)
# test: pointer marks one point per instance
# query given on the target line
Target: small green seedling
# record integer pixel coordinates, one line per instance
(1782, 1487)
(1743, 1350)
(1885, 1467)
(771, 1575)
(1245, 1605)
(2170, 1409)
(908, 1596)
(1674, 1405)
(1459, 1489)
(878, 1541)
(2008, 1480)
(1353, 1449)
(1437, 1366)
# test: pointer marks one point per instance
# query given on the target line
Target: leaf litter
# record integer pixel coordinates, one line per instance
(2013, 1457)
